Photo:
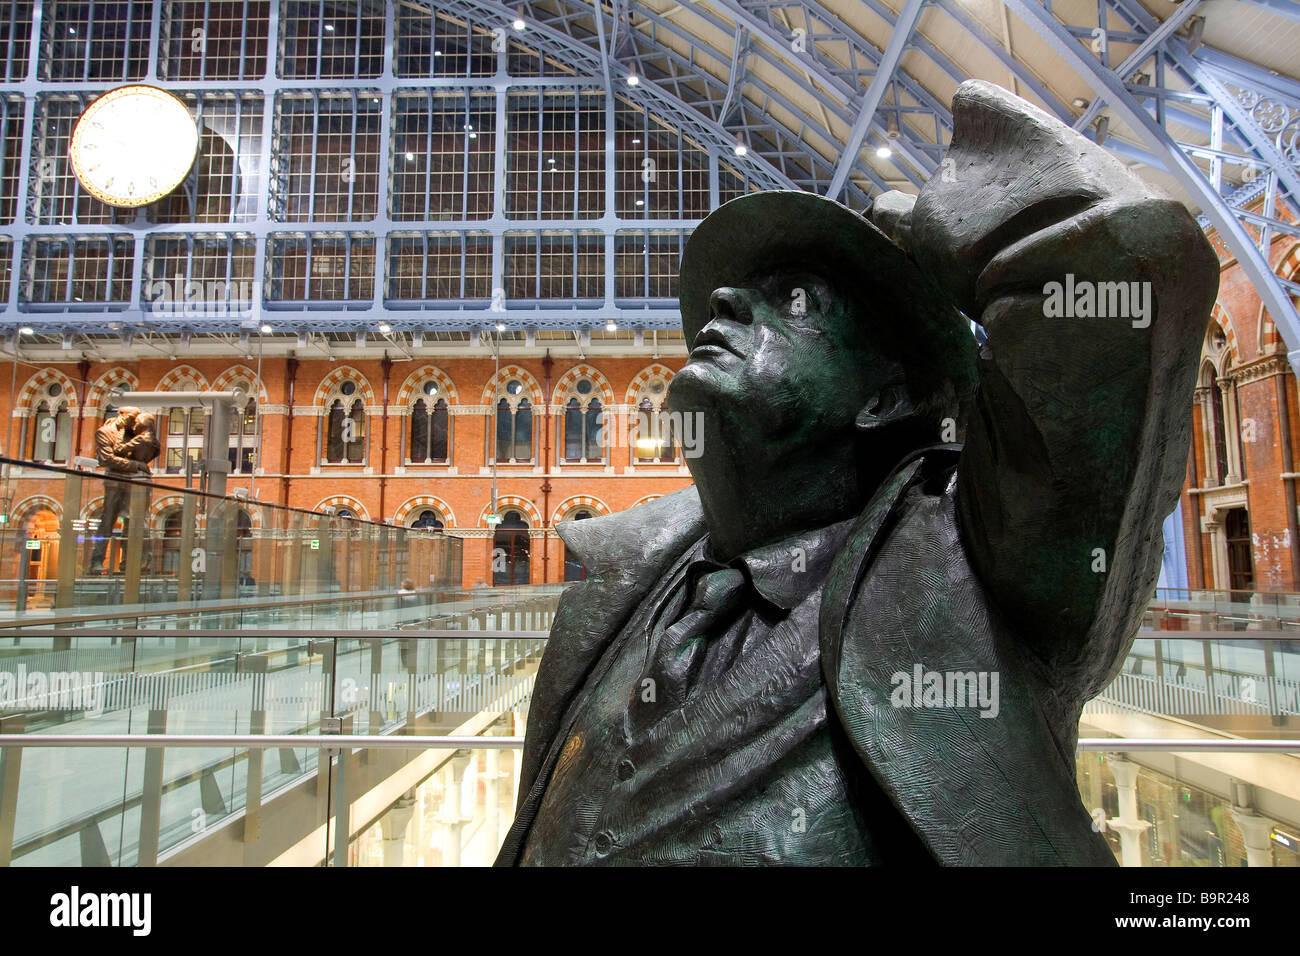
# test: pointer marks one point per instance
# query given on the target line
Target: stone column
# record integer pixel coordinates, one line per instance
(452, 817)
(1127, 824)
(1255, 831)
(394, 825)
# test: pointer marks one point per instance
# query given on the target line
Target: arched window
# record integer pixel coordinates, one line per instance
(514, 425)
(171, 542)
(574, 570)
(428, 519)
(510, 550)
(583, 417)
(345, 426)
(1219, 430)
(52, 427)
(430, 436)
(243, 436)
(655, 438)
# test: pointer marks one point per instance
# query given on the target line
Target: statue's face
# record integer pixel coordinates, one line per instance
(782, 363)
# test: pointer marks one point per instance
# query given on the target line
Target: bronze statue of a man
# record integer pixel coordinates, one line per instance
(866, 635)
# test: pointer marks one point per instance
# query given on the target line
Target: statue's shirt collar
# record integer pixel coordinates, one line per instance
(785, 572)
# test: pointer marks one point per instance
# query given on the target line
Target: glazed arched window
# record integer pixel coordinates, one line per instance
(428, 519)
(1219, 430)
(655, 438)
(52, 428)
(510, 557)
(345, 426)
(583, 417)
(514, 425)
(243, 436)
(575, 570)
(430, 436)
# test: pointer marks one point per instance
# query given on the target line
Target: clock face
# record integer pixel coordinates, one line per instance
(133, 145)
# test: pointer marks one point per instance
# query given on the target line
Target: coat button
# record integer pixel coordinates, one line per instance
(626, 769)
(604, 842)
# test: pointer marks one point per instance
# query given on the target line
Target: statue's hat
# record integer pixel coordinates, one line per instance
(751, 235)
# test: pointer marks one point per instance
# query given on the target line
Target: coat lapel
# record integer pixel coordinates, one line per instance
(977, 790)
(625, 555)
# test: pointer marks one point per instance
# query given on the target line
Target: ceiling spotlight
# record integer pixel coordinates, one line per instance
(1080, 103)
(740, 148)
(551, 160)
(266, 328)
(884, 152)
(473, 135)
(633, 79)
(501, 326)
(27, 330)
(611, 326)
(640, 202)
(385, 328)
(519, 21)
(636, 141)
(410, 157)
(892, 130)
(437, 53)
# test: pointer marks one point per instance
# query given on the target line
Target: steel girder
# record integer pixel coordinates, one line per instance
(1178, 158)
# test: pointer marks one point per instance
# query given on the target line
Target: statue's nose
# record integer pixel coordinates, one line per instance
(729, 303)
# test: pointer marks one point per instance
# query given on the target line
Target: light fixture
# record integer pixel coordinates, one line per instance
(473, 135)
(266, 328)
(27, 330)
(740, 148)
(611, 326)
(1080, 103)
(410, 157)
(884, 152)
(551, 160)
(636, 141)
(501, 326)
(519, 21)
(633, 79)
(385, 328)
(640, 202)
(437, 53)
(329, 28)
(892, 129)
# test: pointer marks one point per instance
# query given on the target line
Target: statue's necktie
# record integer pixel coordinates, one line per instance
(680, 651)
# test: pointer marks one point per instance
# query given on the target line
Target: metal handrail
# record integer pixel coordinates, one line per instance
(1187, 745)
(415, 742)
(266, 741)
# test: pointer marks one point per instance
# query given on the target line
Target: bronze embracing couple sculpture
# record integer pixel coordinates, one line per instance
(910, 556)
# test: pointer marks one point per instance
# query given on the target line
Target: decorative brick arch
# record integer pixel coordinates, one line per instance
(645, 500)
(159, 508)
(91, 508)
(227, 379)
(507, 502)
(344, 501)
(32, 504)
(28, 397)
(498, 381)
(570, 378)
(406, 395)
(643, 378)
(177, 377)
(594, 505)
(419, 503)
(1289, 266)
(99, 388)
(336, 378)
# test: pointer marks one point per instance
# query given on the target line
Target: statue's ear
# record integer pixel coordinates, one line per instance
(889, 405)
